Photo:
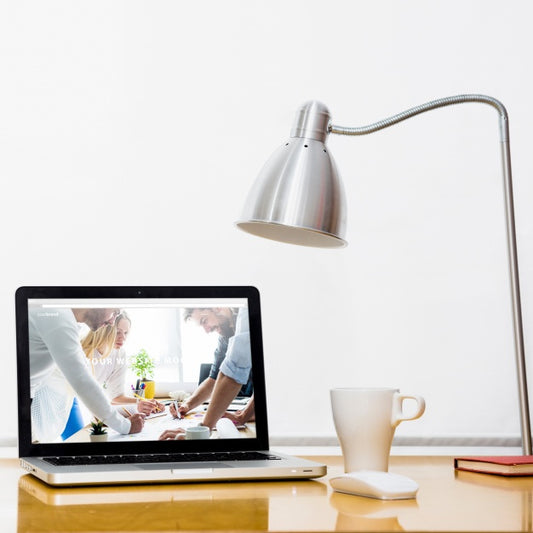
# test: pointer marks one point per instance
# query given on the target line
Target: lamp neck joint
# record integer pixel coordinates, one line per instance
(312, 121)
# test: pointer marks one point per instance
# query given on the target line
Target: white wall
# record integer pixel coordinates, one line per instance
(130, 133)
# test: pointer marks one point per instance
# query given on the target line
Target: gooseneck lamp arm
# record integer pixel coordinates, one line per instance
(510, 222)
(298, 198)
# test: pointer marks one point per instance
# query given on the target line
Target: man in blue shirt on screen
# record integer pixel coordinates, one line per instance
(232, 356)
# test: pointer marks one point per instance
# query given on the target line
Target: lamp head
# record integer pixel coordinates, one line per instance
(298, 196)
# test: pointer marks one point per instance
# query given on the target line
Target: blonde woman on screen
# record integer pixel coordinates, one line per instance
(107, 357)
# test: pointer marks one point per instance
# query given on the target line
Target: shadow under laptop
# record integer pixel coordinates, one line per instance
(164, 507)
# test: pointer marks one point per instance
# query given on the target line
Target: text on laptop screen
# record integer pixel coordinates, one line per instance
(135, 365)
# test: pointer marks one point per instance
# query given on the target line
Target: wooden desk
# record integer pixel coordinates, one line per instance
(447, 501)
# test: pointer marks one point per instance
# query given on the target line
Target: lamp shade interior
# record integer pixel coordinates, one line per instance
(292, 235)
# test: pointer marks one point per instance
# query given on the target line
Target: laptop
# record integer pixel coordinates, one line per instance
(46, 318)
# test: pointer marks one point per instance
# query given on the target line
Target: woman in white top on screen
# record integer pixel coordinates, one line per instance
(105, 351)
(57, 360)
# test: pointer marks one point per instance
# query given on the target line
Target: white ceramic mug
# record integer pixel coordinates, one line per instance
(197, 432)
(365, 420)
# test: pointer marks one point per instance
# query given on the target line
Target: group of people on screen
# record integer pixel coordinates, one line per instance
(66, 371)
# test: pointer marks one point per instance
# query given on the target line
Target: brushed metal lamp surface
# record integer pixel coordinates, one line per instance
(298, 198)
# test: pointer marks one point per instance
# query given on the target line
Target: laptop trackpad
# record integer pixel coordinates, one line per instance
(195, 468)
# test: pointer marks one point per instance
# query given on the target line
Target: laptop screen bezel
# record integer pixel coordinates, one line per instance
(29, 449)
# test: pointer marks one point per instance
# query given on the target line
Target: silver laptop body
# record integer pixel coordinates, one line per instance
(72, 459)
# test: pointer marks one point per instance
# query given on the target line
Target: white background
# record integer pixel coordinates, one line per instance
(130, 133)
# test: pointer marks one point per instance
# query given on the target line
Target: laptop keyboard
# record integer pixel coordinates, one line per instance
(160, 458)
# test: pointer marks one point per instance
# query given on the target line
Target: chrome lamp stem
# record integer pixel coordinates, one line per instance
(510, 223)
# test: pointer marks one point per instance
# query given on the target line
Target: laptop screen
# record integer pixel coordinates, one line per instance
(128, 359)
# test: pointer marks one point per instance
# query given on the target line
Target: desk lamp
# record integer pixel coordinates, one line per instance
(298, 198)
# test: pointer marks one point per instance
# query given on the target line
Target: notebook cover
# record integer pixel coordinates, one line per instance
(505, 465)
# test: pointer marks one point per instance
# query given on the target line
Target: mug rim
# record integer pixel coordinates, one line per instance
(365, 389)
(194, 429)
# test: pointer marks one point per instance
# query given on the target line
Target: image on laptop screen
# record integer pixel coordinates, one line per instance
(131, 359)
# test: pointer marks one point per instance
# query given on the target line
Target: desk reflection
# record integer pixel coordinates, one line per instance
(198, 507)
(507, 484)
(357, 513)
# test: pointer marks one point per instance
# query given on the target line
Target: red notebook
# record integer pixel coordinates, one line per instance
(504, 465)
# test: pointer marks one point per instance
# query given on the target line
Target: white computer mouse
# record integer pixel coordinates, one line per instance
(374, 484)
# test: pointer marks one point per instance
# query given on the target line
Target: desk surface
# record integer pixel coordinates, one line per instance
(447, 501)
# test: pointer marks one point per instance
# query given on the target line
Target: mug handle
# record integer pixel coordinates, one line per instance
(397, 408)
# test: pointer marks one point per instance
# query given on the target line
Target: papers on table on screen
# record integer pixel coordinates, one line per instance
(158, 423)
(236, 405)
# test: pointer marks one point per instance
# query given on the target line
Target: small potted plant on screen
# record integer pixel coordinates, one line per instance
(98, 430)
(143, 365)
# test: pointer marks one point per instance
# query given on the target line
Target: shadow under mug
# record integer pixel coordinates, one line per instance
(365, 420)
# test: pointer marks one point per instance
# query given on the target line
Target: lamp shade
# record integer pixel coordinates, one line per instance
(298, 196)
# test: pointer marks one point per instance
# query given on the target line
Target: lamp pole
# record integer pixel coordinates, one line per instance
(510, 223)
(298, 198)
